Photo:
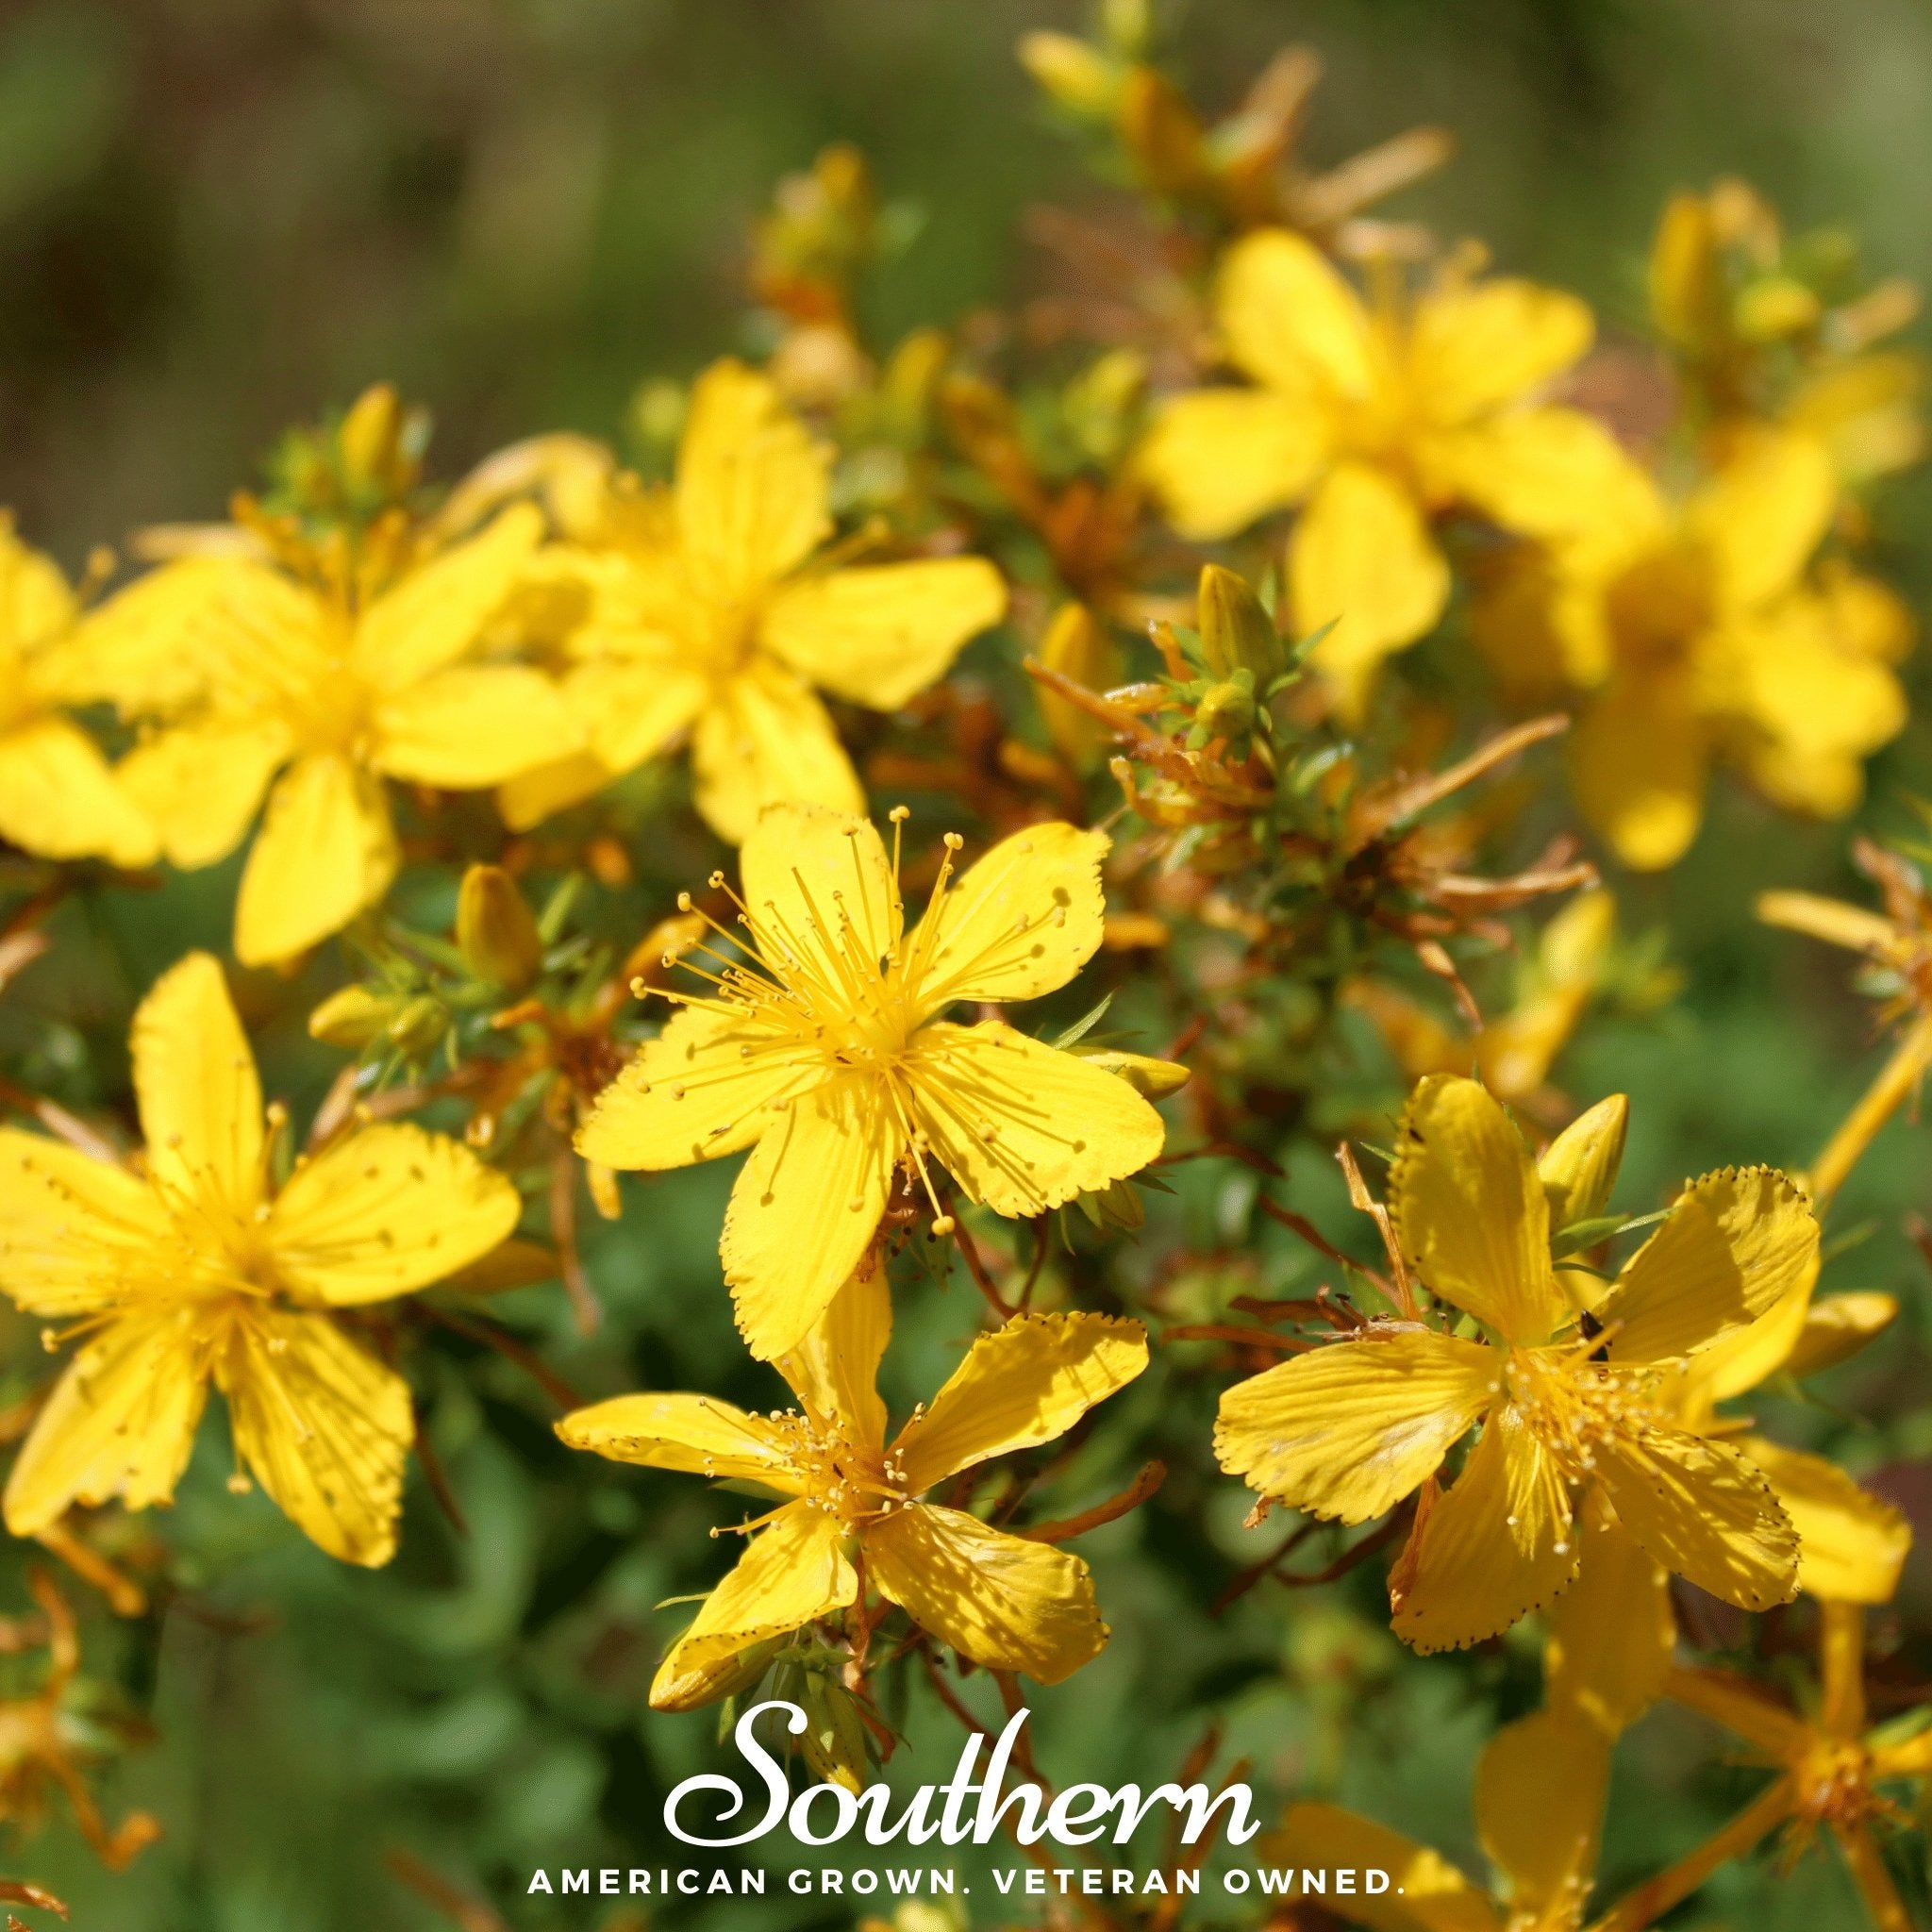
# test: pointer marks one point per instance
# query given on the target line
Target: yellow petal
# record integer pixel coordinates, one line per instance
(792, 1573)
(1612, 1631)
(1005, 1602)
(1864, 409)
(1350, 1428)
(631, 711)
(59, 799)
(1743, 1357)
(1469, 1209)
(833, 1371)
(1764, 512)
(1477, 344)
(750, 489)
(819, 888)
(1686, 286)
(1705, 1511)
(438, 613)
(1540, 1791)
(1539, 473)
(1022, 1385)
(326, 850)
(1736, 1243)
(1834, 922)
(201, 785)
(1872, 1874)
(1499, 1543)
(200, 1097)
(473, 726)
(1019, 924)
(1836, 1326)
(1744, 1707)
(880, 634)
(1817, 707)
(532, 796)
(36, 604)
(1637, 759)
(1851, 1546)
(324, 1427)
(696, 1434)
(1425, 1893)
(1020, 1125)
(157, 645)
(765, 741)
(804, 1209)
(1579, 1169)
(703, 1088)
(385, 1210)
(73, 1231)
(1221, 458)
(1290, 319)
(119, 1423)
(709, 1085)
(1362, 559)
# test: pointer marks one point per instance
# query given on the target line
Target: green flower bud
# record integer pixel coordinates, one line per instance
(351, 1018)
(1236, 633)
(496, 933)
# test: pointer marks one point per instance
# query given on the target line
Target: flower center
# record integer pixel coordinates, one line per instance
(1659, 606)
(1574, 1406)
(1833, 1780)
(843, 1477)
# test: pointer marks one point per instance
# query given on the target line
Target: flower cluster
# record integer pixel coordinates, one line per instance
(1211, 659)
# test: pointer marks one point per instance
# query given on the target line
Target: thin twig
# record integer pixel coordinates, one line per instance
(1150, 1478)
(552, 1385)
(977, 1268)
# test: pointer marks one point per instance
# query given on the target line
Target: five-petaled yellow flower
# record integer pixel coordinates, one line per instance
(1540, 1789)
(707, 613)
(195, 1268)
(1008, 1602)
(1377, 420)
(346, 670)
(58, 795)
(1696, 634)
(823, 1051)
(1574, 1389)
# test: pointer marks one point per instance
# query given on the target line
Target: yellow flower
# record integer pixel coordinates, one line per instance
(827, 1057)
(1540, 1791)
(1754, 333)
(337, 678)
(57, 796)
(707, 613)
(1897, 947)
(1007, 1602)
(1572, 1390)
(1830, 1774)
(1613, 1631)
(196, 1268)
(1376, 421)
(1696, 635)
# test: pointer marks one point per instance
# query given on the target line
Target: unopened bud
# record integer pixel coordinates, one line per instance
(1226, 711)
(1774, 307)
(1237, 634)
(371, 442)
(1156, 1078)
(351, 1018)
(496, 932)
(1078, 78)
(418, 1024)
(1078, 646)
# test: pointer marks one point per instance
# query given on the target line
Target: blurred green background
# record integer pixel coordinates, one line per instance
(220, 216)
